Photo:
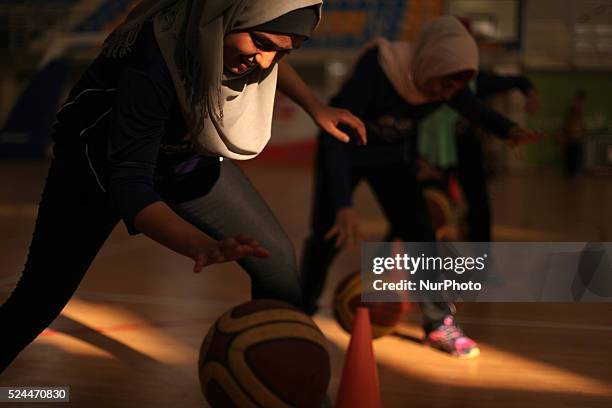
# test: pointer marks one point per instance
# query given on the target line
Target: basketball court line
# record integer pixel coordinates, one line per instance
(217, 303)
(194, 303)
(526, 323)
(18, 210)
(9, 280)
(115, 328)
(170, 301)
(152, 300)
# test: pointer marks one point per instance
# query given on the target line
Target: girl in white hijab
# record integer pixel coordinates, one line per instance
(392, 87)
(179, 86)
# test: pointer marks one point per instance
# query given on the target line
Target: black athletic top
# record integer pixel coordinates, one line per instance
(127, 112)
(391, 124)
(489, 84)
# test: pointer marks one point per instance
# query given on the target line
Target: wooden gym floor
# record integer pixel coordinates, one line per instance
(131, 335)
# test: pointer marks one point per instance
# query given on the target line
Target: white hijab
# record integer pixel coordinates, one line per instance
(230, 117)
(443, 47)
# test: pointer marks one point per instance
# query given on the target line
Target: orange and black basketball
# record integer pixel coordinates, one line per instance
(264, 353)
(384, 316)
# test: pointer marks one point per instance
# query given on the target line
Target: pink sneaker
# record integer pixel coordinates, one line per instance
(448, 337)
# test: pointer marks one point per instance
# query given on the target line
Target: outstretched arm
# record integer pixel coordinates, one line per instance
(160, 223)
(489, 83)
(472, 108)
(137, 126)
(326, 117)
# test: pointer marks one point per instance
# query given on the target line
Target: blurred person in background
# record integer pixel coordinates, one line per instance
(450, 143)
(471, 157)
(393, 87)
(573, 131)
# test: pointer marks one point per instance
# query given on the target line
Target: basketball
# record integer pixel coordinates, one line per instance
(384, 316)
(441, 213)
(264, 353)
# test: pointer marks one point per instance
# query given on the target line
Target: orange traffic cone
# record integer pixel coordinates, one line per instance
(359, 384)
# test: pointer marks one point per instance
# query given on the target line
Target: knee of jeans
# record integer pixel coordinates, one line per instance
(276, 277)
(284, 262)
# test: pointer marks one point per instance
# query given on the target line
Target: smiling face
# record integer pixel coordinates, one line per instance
(243, 50)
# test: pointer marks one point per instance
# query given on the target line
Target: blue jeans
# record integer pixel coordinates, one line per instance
(75, 218)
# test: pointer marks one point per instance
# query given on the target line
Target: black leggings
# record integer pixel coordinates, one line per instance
(472, 176)
(75, 218)
(401, 198)
(572, 158)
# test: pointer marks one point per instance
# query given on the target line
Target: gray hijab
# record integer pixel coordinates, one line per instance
(226, 116)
